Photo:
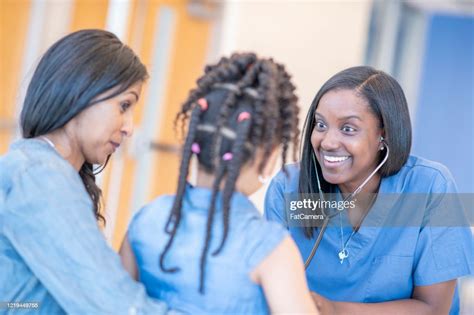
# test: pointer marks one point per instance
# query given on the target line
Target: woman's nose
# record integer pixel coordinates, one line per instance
(330, 140)
(127, 127)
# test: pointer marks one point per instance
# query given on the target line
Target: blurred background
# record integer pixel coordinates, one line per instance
(426, 45)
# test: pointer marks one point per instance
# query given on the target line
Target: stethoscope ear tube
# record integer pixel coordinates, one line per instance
(328, 217)
(316, 243)
(325, 222)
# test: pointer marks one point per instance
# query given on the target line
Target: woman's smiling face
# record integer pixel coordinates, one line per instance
(346, 138)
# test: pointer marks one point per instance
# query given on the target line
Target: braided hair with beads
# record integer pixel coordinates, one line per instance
(242, 103)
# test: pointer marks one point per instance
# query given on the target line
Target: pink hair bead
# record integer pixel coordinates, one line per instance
(243, 116)
(203, 103)
(195, 148)
(227, 156)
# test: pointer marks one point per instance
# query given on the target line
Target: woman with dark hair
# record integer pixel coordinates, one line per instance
(77, 111)
(385, 251)
(207, 250)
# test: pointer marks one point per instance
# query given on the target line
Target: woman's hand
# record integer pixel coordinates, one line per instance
(430, 299)
(325, 306)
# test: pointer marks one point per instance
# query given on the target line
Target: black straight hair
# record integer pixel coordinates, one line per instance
(388, 104)
(69, 77)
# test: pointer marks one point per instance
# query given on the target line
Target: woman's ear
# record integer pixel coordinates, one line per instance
(382, 140)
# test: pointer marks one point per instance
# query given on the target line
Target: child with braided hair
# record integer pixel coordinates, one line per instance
(207, 249)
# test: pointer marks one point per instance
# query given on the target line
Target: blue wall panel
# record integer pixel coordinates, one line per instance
(443, 126)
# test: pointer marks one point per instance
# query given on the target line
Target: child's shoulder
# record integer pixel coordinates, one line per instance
(261, 238)
(154, 212)
(156, 206)
(160, 201)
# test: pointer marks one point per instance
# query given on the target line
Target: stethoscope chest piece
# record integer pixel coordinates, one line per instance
(343, 254)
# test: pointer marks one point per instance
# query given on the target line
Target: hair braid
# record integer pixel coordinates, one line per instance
(258, 117)
(268, 80)
(289, 114)
(273, 121)
(227, 70)
(223, 115)
(210, 219)
(175, 215)
(238, 152)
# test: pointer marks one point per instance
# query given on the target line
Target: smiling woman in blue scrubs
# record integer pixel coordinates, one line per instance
(395, 259)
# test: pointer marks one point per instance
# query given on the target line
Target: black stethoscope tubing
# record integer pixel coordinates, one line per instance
(327, 217)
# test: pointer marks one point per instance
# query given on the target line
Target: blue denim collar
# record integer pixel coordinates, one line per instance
(200, 197)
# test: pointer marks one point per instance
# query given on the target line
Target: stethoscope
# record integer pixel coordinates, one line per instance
(328, 217)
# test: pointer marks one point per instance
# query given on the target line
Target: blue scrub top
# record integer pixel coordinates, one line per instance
(386, 261)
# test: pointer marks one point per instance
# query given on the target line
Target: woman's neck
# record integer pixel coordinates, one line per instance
(66, 147)
(371, 187)
(363, 201)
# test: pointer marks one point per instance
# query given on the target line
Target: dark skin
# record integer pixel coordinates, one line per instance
(346, 140)
(430, 299)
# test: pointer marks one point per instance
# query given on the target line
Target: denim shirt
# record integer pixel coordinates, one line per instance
(51, 250)
(229, 289)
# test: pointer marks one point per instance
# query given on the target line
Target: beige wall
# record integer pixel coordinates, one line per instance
(29, 27)
(315, 39)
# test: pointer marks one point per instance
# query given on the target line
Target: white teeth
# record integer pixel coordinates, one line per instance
(335, 158)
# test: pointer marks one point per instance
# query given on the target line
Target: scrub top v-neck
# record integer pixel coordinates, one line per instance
(385, 261)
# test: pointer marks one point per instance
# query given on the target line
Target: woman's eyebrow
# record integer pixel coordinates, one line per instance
(134, 93)
(318, 114)
(341, 118)
(349, 117)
